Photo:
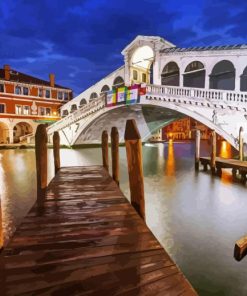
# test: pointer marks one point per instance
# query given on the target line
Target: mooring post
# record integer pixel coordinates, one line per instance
(213, 152)
(105, 158)
(1, 227)
(134, 158)
(115, 154)
(241, 152)
(56, 151)
(41, 159)
(197, 152)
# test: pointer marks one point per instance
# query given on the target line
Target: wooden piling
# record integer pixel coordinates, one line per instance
(56, 151)
(105, 157)
(241, 154)
(41, 159)
(197, 151)
(240, 249)
(213, 152)
(134, 158)
(115, 154)
(1, 227)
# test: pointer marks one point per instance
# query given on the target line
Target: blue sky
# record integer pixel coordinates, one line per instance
(81, 40)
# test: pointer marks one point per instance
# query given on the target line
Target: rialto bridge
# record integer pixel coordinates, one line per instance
(208, 84)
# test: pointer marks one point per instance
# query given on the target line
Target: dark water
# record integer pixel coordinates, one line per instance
(196, 217)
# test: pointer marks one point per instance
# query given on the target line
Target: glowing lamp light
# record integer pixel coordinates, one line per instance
(54, 113)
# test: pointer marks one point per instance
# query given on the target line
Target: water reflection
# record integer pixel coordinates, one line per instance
(225, 149)
(170, 159)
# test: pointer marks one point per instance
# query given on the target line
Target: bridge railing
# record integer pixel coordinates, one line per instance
(230, 97)
(84, 111)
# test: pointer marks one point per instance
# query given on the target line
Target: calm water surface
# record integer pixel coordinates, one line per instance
(196, 217)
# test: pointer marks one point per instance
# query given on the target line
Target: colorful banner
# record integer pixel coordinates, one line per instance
(111, 98)
(121, 95)
(125, 95)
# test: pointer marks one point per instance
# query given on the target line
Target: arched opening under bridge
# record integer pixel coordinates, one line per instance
(21, 129)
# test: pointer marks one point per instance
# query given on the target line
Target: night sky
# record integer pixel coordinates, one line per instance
(81, 40)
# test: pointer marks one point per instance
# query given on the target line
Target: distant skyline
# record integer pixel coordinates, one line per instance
(80, 41)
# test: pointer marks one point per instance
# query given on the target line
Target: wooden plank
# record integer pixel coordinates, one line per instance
(86, 239)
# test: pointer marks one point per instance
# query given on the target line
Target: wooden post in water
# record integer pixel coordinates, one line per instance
(115, 154)
(241, 151)
(134, 158)
(197, 152)
(1, 227)
(41, 159)
(213, 152)
(104, 141)
(56, 151)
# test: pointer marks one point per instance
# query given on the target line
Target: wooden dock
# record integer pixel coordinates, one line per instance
(87, 239)
(237, 166)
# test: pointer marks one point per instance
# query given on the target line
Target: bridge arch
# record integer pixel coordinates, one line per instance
(223, 76)
(93, 96)
(170, 74)
(243, 80)
(83, 102)
(65, 113)
(73, 108)
(104, 89)
(194, 75)
(118, 82)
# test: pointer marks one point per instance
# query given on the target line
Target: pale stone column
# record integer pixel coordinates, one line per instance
(11, 136)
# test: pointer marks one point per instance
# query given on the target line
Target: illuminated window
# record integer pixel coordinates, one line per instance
(144, 77)
(40, 92)
(1, 87)
(18, 90)
(25, 91)
(2, 108)
(47, 93)
(135, 75)
(26, 110)
(18, 109)
(60, 95)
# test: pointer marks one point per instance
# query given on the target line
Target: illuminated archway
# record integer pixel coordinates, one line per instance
(21, 129)
(141, 65)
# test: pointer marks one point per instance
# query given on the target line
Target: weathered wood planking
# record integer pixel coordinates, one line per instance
(87, 240)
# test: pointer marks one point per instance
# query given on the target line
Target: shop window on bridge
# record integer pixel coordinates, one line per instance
(1, 87)
(83, 102)
(2, 108)
(118, 82)
(144, 77)
(170, 74)
(73, 108)
(194, 75)
(223, 76)
(65, 113)
(135, 75)
(243, 80)
(104, 89)
(93, 96)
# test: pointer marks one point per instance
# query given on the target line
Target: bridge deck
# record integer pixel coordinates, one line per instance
(87, 240)
(227, 163)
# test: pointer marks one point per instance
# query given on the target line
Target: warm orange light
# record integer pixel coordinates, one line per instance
(170, 141)
(225, 149)
(54, 113)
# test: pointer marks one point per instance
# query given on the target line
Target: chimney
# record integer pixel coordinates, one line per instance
(52, 80)
(6, 72)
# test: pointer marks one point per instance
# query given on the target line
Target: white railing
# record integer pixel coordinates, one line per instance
(83, 112)
(26, 137)
(230, 97)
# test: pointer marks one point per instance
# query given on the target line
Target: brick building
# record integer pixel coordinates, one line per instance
(26, 101)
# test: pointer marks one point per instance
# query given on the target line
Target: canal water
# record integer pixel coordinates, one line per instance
(196, 217)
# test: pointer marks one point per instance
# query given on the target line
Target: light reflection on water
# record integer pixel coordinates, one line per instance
(195, 216)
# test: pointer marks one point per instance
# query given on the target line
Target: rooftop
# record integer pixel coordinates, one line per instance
(16, 76)
(204, 48)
